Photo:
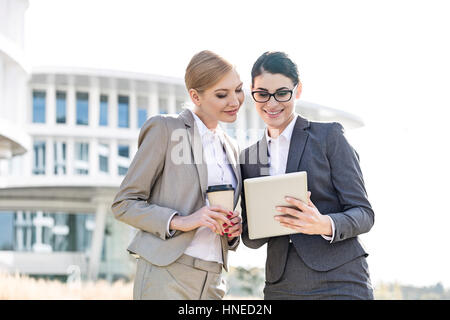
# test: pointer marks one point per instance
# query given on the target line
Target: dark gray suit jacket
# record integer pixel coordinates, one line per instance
(337, 189)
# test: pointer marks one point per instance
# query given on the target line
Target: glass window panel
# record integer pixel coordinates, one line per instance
(103, 110)
(124, 150)
(142, 117)
(24, 231)
(38, 106)
(60, 158)
(163, 105)
(39, 157)
(41, 231)
(123, 107)
(179, 105)
(122, 171)
(6, 230)
(103, 163)
(82, 151)
(81, 158)
(60, 107)
(82, 108)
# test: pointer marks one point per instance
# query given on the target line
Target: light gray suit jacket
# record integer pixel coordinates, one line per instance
(168, 174)
(337, 189)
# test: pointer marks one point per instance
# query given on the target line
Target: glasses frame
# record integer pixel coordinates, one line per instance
(273, 95)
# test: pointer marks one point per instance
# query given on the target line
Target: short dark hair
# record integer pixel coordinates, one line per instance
(275, 62)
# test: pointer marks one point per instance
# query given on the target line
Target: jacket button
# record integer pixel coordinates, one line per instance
(341, 235)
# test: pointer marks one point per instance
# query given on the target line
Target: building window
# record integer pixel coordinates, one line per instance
(60, 107)
(179, 105)
(124, 106)
(6, 230)
(39, 157)
(60, 158)
(123, 160)
(82, 108)
(142, 111)
(142, 117)
(81, 158)
(38, 106)
(123, 151)
(103, 157)
(163, 106)
(103, 110)
(52, 232)
(122, 171)
(24, 231)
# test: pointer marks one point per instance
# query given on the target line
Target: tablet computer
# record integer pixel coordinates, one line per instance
(263, 194)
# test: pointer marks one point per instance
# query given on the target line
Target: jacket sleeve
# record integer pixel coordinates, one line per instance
(357, 216)
(131, 204)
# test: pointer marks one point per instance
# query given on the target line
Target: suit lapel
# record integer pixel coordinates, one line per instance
(195, 142)
(297, 144)
(263, 164)
(232, 158)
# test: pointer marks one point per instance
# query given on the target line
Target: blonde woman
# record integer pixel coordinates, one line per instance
(182, 243)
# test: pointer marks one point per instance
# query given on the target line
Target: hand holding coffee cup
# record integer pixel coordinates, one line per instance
(212, 217)
(222, 196)
(236, 225)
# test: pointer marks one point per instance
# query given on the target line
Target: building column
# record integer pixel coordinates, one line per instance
(171, 100)
(71, 101)
(97, 239)
(94, 102)
(49, 157)
(93, 157)
(133, 106)
(113, 158)
(27, 162)
(113, 105)
(70, 156)
(153, 99)
(50, 101)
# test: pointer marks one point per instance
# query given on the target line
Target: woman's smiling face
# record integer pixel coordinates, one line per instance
(276, 115)
(221, 102)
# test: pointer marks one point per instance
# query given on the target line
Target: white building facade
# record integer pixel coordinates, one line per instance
(55, 199)
(67, 138)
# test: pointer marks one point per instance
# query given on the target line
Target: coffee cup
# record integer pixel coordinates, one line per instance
(221, 195)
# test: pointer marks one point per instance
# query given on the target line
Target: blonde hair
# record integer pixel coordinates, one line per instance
(204, 70)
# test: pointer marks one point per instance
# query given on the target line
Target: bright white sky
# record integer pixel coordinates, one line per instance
(385, 61)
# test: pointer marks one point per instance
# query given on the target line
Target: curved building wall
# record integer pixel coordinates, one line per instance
(14, 74)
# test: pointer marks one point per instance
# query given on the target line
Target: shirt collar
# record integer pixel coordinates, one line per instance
(202, 129)
(287, 132)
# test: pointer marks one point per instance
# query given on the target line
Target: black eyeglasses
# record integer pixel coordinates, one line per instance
(280, 95)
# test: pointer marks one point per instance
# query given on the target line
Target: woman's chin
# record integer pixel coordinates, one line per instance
(273, 123)
(229, 119)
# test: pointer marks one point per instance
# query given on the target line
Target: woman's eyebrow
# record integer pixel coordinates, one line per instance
(264, 89)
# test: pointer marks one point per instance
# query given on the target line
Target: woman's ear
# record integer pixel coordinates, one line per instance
(195, 97)
(299, 90)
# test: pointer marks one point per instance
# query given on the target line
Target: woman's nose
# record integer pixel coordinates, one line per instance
(272, 102)
(235, 102)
